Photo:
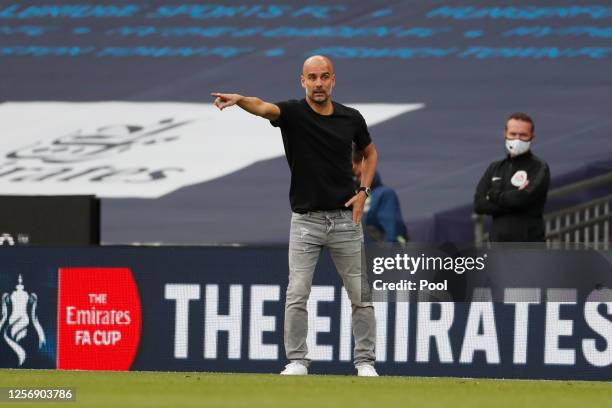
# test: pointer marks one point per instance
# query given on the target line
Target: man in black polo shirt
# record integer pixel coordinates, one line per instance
(318, 135)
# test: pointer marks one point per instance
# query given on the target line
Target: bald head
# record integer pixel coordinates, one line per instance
(318, 80)
(317, 62)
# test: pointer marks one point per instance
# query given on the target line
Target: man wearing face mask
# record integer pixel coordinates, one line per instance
(513, 190)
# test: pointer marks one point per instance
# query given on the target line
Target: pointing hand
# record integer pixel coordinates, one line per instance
(223, 100)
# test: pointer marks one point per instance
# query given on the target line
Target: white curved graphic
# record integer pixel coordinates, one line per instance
(135, 149)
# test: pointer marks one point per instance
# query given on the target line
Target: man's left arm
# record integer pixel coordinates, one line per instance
(370, 161)
(521, 198)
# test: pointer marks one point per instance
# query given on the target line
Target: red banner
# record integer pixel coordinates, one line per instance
(99, 319)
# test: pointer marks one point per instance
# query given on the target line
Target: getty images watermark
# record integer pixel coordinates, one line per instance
(405, 263)
(451, 272)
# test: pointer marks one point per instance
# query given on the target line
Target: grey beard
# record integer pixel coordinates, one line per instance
(319, 102)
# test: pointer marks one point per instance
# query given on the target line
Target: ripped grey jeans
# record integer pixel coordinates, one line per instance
(310, 232)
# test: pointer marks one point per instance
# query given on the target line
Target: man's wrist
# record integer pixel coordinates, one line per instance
(365, 190)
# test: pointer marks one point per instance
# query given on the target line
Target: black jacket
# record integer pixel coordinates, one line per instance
(517, 214)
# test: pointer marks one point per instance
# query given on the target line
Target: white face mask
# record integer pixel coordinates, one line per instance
(517, 147)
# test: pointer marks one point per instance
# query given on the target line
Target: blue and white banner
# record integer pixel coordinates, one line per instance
(221, 309)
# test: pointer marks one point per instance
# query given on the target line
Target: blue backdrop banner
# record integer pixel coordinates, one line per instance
(221, 309)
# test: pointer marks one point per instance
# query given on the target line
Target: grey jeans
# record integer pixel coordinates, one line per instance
(335, 230)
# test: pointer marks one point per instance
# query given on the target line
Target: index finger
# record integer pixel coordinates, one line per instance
(218, 94)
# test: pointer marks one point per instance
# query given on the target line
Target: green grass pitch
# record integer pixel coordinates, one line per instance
(180, 390)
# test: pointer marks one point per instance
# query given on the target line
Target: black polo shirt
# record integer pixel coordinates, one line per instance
(319, 153)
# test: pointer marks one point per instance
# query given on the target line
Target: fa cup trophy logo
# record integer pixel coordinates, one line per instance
(14, 327)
